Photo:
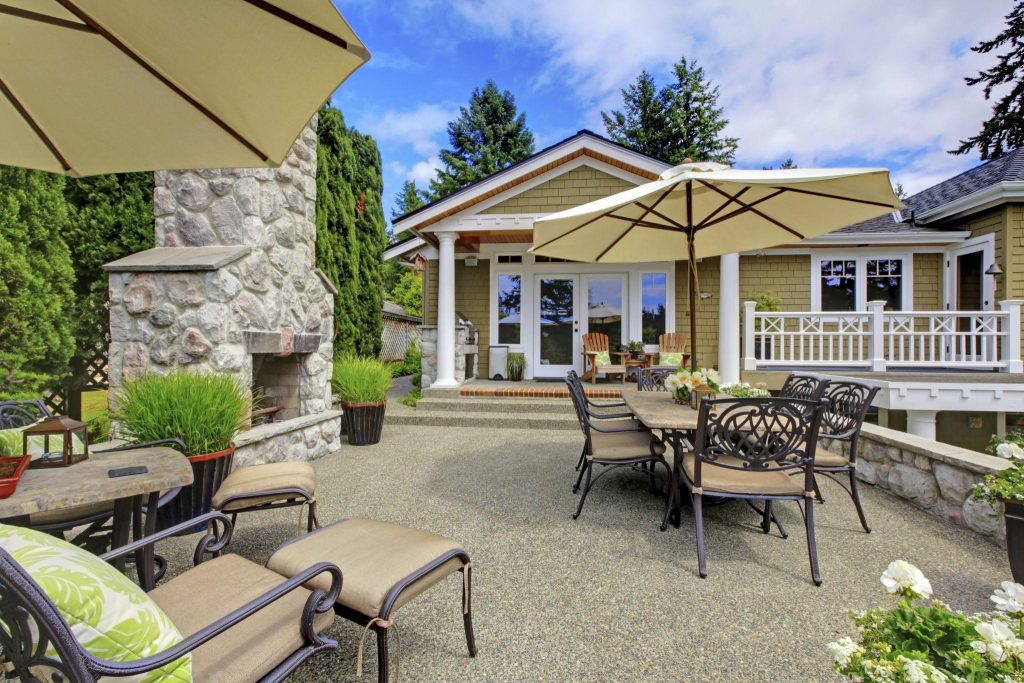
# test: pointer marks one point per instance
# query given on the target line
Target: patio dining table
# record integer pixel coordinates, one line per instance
(89, 482)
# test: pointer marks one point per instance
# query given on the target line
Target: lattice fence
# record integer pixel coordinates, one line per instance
(95, 372)
(397, 334)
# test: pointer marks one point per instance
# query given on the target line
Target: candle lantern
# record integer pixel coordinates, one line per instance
(65, 442)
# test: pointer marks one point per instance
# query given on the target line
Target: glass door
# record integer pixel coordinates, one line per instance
(556, 328)
(606, 308)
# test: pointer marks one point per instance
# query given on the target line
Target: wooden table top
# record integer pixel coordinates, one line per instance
(58, 488)
(658, 410)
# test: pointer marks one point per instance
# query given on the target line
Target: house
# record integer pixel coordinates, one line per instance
(934, 269)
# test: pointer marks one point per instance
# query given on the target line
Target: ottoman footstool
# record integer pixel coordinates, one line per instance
(383, 566)
(270, 486)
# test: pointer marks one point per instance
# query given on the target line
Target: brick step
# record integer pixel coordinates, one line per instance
(486, 420)
(511, 406)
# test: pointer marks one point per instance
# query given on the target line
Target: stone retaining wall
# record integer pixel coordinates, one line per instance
(428, 349)
(934, 476)
(302, 438)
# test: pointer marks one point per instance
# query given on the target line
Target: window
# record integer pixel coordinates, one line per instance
(885, 282)
(509, 309)
(550, 259)
(850, 282)
(839, 285)
(653, 302)
(510, 258)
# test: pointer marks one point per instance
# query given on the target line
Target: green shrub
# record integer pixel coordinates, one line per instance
(412, 364)
(205, 411)
(98, 427)
(412, 398)
(361, 380)
(515, 364)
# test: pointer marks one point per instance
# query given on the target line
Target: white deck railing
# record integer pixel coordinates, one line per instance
(877, 339)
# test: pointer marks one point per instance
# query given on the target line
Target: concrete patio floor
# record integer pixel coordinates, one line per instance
(610, 597)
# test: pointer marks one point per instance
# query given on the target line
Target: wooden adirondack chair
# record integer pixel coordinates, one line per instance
(595, 343)
(673, 342)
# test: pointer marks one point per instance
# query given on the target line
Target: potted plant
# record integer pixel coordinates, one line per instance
(363, 385)
(922, 639)
(635, 349)
(515, 364)
(205, 411)
(1007, 487)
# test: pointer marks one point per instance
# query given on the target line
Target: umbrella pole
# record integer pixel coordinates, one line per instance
(691, 288)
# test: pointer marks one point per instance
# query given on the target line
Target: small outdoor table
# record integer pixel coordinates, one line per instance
(626, 359)
(59, 488)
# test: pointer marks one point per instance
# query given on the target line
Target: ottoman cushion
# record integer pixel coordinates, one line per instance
(374, 557)
(257, 478)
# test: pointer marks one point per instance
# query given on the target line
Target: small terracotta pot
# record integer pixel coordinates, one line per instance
(364, 422)
(1013, 515)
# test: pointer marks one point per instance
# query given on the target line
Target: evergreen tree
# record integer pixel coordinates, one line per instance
(408, 292)
(488, 136)
(407, 200)
(643, 124)
(677, 122)
(1004, 130)
(35, 283)
(368, 186)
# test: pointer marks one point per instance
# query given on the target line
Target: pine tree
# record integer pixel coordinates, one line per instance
(368, 185)
(35, 283)
(643, 124)
(488, 136)
(1004, 130)
(407, 200)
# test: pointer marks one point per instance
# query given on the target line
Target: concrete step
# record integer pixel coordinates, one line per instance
(511, 406)
(402, 415)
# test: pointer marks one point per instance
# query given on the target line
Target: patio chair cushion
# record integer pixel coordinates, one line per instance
(110, 616)
(726, 480)
(602, 358)
(622, 445)
(825, 458)
(252, 648)
(247, 481)
(374, 558)
(670, 358)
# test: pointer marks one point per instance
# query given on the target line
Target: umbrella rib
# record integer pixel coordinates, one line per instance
(638, 222)
(724, 204)
(752, 210)
(612, 245)
(578, 227)
(838, 196)
(34, 125)
(708, 223)
(44, 18)
(660, 215)
(196, 104)
(310, 27)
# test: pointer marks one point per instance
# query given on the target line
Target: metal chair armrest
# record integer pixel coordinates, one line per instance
(222, 537)
(610, 416)
(612, 431)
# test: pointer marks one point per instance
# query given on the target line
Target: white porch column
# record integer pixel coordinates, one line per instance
(1011, 336)
(446, 311)
(876, 345)
(729, 318)
(921, 423)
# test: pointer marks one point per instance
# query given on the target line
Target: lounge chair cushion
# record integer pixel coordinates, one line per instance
(69, 515)
(622, 445)
(252, 648)
(755, 482)
(602, 358)
(824, 458)
(110, 616)
(255, 479)
(670, 358)
(374, 558)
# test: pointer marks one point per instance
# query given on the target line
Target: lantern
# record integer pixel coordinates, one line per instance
(65, 442)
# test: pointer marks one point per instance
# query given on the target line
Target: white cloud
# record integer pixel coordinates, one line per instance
(820, 82)
(421, 128)
(423, 172)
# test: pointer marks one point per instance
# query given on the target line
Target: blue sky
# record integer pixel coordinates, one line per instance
(865, 83)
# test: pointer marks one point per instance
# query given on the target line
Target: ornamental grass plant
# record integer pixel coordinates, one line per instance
(206, 411)
(361, 380)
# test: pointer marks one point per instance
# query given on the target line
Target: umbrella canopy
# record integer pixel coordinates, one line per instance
(604, 313)
(705, 209)
(101, 86)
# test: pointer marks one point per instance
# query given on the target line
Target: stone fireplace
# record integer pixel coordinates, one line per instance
(232, 286)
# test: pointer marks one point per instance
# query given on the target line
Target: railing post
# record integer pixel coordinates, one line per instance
(877, 322)
(749, 361)
(1010, 348)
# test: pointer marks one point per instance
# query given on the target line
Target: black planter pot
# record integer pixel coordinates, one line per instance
(1013, 513)
(364, 422)
(208, 471)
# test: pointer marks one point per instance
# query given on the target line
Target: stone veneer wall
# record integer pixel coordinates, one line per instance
(933, 476)
(428, 347)
(312, 436)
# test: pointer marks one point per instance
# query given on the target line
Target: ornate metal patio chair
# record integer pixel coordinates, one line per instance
(599, 411)
(653, 378)
(597, 358)
(236, 617)
(16, 414)
(807, 387)
(611, 447)
(848, 404)
(673, 349)
(749, 448)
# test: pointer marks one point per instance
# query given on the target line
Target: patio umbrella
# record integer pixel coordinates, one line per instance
(604, 313)
(699, 210)
(101, 86)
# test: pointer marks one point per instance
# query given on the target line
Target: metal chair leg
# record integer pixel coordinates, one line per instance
(586, 489)
(766, 517)
(382, 654)
(583, 458)
(856, 502)
(817, 491)
(467, 613)
(314, 521)
(576, 486)
(698, 515)
(812, 548)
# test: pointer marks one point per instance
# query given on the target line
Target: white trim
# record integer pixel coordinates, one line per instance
(855, 238)
(986, 244)
(403, 248)
(984, 198)
(569, 146)
(961, 396)
(548, 371)
(861, 256)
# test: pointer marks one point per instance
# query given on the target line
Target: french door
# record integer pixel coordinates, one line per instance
(556, 326)
(605, 307)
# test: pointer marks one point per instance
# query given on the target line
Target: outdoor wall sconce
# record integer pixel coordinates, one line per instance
(70, 442)
(995, 270)
(705, 295)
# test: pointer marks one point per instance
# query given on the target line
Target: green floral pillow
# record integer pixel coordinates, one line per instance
(110, 616)
(670, 358)
(602, 358)
(10, 441)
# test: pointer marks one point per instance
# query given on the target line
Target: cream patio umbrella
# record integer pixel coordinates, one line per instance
(100, 86)
(699, 210)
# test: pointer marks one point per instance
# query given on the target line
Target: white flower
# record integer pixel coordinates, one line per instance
(1009, 598)
(1010, 451)
(842, 650)
(901, 576)
(672, 382)
(999, 642)
(917, 671)
(713, 375)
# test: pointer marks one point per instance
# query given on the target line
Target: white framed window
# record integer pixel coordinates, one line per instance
(846, 281)
(510, 308)
(654, 302)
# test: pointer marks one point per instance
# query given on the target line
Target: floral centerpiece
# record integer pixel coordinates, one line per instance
(926, 641)
(1006, 487)
(686, 385)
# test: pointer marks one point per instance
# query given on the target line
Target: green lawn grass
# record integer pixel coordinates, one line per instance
(94, 403)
